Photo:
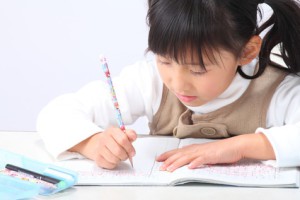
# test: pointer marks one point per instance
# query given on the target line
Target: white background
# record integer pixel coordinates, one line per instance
(51, 47)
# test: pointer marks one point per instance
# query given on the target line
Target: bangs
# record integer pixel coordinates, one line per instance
(188, 30)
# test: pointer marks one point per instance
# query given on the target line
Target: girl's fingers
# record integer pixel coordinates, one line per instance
(178, 163)
(102, 162)
(131, 134)
(122, 139)
(110, 157)
(116, 149)
(198, 162)
(168, 161)
(177, 160)
(166, 155)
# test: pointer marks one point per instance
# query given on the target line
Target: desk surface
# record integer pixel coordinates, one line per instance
(30, 144)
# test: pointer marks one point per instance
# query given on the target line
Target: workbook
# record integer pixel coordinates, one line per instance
(146, 169)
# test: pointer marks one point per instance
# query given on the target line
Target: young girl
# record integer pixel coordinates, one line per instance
(212, 78)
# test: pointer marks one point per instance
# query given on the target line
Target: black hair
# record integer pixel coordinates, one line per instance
(202, 26)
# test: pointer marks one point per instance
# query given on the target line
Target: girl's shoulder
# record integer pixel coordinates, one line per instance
(289, 89)
(291, 81)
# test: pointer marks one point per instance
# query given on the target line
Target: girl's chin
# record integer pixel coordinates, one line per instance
(193, 104)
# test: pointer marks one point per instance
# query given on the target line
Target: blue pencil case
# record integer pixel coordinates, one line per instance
(34, 177)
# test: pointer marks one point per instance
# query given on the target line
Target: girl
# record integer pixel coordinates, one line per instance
(212, 78)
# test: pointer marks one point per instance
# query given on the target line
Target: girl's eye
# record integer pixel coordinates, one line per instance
(164, 62)
(198, 72)
(196, 69)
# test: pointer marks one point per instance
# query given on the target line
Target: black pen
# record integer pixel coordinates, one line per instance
(33, 174)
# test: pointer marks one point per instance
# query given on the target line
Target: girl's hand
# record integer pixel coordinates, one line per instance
(108, 148)
(229, 150)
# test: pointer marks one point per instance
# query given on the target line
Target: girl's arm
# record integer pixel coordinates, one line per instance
(73, 118)
(284, 121)
(280, 142)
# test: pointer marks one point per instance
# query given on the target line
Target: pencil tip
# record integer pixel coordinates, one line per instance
(130, 159)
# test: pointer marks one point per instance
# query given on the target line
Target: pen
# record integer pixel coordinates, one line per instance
(25, 177)
(33, 174)
(114, 97)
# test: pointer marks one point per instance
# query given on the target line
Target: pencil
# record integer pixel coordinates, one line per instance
(114, 97)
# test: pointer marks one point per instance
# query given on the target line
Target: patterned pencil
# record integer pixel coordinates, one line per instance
(113, 95)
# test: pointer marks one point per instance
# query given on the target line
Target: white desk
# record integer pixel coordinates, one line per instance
(29, 144)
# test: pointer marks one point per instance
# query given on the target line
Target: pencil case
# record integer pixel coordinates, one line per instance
(21, 184)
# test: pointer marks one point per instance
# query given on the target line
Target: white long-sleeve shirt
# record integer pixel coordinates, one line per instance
(71, 118)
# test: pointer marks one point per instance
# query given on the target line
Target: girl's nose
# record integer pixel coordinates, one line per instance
(179, 79)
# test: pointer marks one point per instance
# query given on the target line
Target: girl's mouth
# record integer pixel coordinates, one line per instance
(185, 98)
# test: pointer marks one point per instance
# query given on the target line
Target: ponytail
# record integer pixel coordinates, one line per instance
(285, 31)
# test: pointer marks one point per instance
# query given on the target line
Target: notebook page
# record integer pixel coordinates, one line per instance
(145, 171)
(243, 173)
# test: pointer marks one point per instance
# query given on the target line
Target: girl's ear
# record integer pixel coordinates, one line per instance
(251, 50)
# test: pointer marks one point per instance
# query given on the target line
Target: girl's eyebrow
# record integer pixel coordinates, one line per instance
(162, 57)
(191, 64)
(165, 57)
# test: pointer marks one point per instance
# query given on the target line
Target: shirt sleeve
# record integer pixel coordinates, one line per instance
(72, 118)
(283, 120)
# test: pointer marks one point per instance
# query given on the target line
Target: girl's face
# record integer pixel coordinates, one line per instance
(194, 86)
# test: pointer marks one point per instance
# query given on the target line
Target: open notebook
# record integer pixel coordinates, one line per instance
(146, 169)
